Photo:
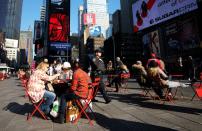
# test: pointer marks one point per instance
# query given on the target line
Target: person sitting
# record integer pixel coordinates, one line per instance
(36, 86)
(157, 75)
(141, 72)
(118, 80)
(78, 89)
(110, 71)
(65, 77)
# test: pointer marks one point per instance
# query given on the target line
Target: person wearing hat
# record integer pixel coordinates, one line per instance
(61, 84)
(98, 68)
(78, 90)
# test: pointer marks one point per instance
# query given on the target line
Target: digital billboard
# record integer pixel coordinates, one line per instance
(151, 43)
(59, 21)
(95, 31)
(89, 19)
(181, 37)
(58, 27)
(38, 30)
(151, 12)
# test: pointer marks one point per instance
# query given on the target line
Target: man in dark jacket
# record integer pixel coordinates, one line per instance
(98, 68)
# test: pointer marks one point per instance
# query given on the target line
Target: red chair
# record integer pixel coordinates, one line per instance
(1, 76)
(35, 105)
(24, 83)
(124, 80)
(197, 88)
(93, 89)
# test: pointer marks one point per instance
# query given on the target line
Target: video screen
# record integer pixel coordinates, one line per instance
(58, 27)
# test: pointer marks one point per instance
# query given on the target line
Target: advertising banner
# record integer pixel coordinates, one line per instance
(38, 30)
(151, 12)
(59, 21)
(181, 37)
(95, 31)
(151, 43)
(58, 27)
(59, 46)
(11, 43)
(89, 19)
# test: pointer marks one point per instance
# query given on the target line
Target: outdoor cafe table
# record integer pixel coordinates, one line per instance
(60, 87)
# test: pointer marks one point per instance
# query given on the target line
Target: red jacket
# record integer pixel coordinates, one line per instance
(80, 83)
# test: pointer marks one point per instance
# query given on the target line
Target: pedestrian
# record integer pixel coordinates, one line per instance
(191, 68)
(98, 69)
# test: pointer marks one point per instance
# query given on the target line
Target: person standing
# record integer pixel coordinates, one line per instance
(98, 70)
(191, 68)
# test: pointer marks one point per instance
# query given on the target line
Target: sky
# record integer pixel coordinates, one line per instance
(31, 12)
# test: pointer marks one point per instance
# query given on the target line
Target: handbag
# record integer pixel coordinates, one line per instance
(72, 112)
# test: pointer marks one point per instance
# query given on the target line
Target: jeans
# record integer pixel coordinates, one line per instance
(49, 98)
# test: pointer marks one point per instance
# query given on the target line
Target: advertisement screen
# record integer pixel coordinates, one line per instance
(59, 6)
(58, 27)
(151, 43)
(38, 30)
(181, 37)
(95, 31)
(89, 19)
(151, 12)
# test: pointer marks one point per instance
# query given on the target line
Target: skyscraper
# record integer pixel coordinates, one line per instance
(43, 13)
(10, 14)
(80, 12)
(100, 9)
(25, 47)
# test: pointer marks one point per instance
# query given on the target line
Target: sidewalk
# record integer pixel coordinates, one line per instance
(127, 111)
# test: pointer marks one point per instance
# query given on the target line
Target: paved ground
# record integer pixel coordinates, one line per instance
(127, 111)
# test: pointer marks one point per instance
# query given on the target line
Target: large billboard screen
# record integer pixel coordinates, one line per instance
(151, 43)
(89, 19)
(95, 31)
(38, 30)
(59, 21)
(181, 36)
(58, 27)
(151, 12)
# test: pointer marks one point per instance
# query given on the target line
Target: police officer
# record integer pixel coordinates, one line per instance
(98, 69)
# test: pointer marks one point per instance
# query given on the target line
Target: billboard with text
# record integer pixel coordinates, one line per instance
(151, 12)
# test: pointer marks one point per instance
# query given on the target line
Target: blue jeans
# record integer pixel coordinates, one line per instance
(49, 98)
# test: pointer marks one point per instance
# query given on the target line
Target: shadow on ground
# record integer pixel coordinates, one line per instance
(137, 99)
(123, 125)
(20, 109)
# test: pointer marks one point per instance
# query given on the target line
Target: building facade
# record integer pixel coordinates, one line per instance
(10, 14)
(11, 47)
(126, 16)
(100, 9)
(80, 18)
(25, 48)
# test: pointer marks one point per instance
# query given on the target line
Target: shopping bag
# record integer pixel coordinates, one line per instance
(90, 108)
(55, 109)
(72, 113)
